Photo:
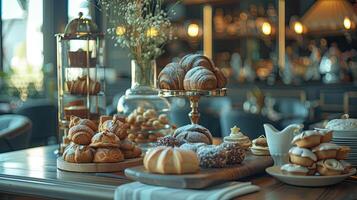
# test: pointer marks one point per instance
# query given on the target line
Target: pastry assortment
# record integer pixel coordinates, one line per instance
(260, 146)
(314, 154)
(192, 72)
(81, 87)
(171, 160)
(238, 137)
(146, 125)
(104, 144)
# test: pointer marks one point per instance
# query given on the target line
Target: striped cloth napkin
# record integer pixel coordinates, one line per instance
(140, 191)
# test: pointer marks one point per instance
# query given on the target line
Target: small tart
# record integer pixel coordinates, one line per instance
(343, 152)
(330, 167)
(326, 134)
(238, 137)
(326, 151)
(307, 139)
(292, 169)
(302, 156)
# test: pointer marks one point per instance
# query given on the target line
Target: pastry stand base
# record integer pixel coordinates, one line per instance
(194, 98)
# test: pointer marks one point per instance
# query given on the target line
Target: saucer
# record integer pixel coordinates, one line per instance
(308, 181)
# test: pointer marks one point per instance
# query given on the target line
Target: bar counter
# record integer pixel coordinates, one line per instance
(33, 173)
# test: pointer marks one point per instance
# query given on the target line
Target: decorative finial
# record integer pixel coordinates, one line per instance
(345, 116)
(80, 15)
(235, 130)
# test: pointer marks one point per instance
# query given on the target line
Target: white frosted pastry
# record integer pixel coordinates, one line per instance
(294, 169)
(325, 146)
(307, 139)
(303, 152)
(345, 123)
(238, 137)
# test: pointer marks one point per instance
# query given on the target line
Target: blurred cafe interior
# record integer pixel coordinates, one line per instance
(305, 75)
(285, 61)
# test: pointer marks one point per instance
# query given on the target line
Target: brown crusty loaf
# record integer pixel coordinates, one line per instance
(171, 77)
(80, 134)
(168, 160)
(193, 133)
(78, 153)
(200, 78)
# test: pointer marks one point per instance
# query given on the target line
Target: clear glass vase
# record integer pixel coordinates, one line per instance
(143, 92)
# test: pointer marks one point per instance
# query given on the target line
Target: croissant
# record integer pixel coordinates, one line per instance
(80, 134)
(79, 86)
(74, 120)
(117, 126)
(200, 78)
(193, 60)
(221, 79)
(171, 77)
(105, 139)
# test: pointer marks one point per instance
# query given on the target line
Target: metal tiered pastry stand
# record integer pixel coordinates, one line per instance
(194, 97)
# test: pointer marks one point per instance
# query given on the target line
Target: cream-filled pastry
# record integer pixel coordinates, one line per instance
(260, 146)
(238, 137)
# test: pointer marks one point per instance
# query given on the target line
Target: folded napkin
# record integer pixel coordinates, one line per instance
(140, 191)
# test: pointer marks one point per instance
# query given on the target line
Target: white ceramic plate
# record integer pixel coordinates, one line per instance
(309, 181)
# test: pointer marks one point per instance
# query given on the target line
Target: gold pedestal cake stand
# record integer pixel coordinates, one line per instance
(194, 97)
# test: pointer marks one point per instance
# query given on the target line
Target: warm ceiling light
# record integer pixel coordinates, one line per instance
(120, 30)
(193, 30)
(298, 28)
(347, 23)
(152, 32)
(266, 28)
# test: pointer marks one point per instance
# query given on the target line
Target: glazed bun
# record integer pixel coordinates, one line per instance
(168, 160)
(200, 78)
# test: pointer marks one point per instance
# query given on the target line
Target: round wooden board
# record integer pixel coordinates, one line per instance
(98, 167)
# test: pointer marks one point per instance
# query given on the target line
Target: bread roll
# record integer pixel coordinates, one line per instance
(193, 133)
(200, 78)
(168, 160)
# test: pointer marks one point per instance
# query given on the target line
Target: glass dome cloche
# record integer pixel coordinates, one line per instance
(81, 74)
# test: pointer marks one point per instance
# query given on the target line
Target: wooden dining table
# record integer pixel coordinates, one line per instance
(32, 174)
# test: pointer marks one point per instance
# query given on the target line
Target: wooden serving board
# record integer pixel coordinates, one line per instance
(98, 167)
(206, 177)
